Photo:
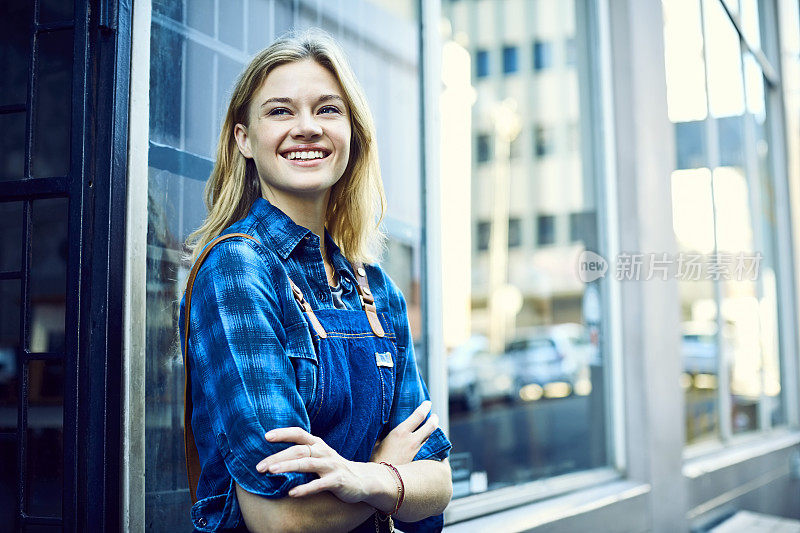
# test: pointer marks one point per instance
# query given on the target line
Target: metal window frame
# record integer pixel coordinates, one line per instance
(95, 189)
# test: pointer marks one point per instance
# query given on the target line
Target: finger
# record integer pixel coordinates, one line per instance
(293, 452)
(415, 419)
(427, 428)
(292, 434)
(312, 487)
(306, 464)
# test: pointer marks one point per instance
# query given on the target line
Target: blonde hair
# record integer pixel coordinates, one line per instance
(357, 202)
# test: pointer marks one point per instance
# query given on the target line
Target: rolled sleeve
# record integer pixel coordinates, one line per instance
(239, 362)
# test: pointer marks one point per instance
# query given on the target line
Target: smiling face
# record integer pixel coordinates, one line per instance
(299, 131)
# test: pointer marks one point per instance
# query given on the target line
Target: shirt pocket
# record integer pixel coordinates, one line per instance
(301, 352)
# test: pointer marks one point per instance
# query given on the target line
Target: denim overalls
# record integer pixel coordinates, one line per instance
(356, 353)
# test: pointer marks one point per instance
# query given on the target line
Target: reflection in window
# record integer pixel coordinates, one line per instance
(544, 140)
(683, 58)
(514, 232)
(570, 57)
(483, 233)
(723, 209)
(525, 372)
(542, 55)
(582, 228)
(690, 144)
(482, 63)
(483, 148)
(723, 63)
(510, 59)
(545, 229)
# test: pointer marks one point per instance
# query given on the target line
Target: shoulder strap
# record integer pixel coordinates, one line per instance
(189, 446)
(367, 300)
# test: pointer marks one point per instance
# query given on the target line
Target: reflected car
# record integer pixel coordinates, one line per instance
(551, 357)
(462, 374)
(699, 348)
(478, 378)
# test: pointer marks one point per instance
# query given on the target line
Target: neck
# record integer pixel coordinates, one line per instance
(306, 211)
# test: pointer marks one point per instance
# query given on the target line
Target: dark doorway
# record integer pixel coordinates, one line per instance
(63, 137)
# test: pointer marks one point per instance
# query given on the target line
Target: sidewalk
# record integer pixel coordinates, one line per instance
(757, 523)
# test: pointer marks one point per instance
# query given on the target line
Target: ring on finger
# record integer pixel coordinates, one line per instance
(310, 450)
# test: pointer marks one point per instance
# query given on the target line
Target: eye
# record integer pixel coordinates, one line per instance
(330, 109)
(278, 111)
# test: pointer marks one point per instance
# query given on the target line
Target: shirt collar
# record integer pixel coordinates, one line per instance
(283, 235)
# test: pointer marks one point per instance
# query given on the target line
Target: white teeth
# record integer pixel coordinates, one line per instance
(313, 154)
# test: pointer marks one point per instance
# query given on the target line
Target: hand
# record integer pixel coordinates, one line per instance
(403, 442)
(349, 481)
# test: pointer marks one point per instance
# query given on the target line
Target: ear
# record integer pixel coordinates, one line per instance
(243, 140)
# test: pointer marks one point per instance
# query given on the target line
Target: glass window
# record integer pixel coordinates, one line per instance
(510, 59)
(545, 229)
(484, 229)
(544, 140)
(582, 228)
(524, 352)
(570, 56)
(484, 147)
(197, 50)
(482, 63)
(514, 232)
(542, 55)
(723, 215)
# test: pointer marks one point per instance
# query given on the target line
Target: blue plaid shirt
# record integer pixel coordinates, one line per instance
(252, 360)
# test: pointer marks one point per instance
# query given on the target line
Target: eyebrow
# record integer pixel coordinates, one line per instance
(286, 100)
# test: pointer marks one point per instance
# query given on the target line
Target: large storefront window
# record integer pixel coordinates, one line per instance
(197, 50)
(724, 216)
(527, 357)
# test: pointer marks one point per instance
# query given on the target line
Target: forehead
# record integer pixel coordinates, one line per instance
(300, 79)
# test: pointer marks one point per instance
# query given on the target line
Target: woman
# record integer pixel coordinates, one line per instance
(305, 408)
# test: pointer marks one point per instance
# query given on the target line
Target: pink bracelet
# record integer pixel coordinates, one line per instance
(401, 489)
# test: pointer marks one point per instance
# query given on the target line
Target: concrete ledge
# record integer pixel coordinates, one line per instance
(616, 506)
(756, 468)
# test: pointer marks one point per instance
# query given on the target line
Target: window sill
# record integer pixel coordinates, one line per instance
(710, 457)
(565, 508)
(494, 501)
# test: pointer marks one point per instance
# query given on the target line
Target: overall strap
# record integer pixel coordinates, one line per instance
(189, 446)
(367, 300)
(306, 307)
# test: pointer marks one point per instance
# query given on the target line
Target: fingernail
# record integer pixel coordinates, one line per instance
(292, 492)
(261, 467)
(269, 435)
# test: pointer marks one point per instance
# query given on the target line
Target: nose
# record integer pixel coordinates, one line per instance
(306, 126)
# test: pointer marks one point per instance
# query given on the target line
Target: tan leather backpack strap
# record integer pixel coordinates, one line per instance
(367, 300)
(306, 307)
(189, 446)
